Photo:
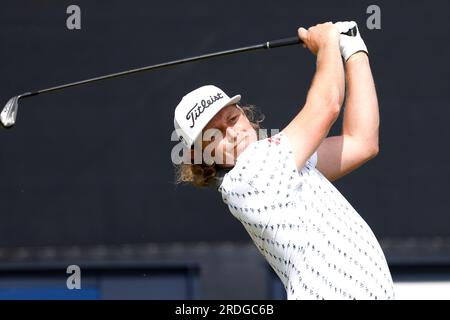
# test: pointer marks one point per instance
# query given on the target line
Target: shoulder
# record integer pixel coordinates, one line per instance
(263, 150)
(265, 163)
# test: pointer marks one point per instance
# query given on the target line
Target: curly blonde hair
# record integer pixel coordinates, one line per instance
(203, 175)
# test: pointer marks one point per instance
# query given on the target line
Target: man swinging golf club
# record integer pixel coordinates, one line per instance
(279, 187)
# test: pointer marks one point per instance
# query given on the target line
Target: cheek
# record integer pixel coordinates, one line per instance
(246, 124)
(250, 131)
(221, 147)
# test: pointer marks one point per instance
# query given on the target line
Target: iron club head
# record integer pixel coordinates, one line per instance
(9, 113)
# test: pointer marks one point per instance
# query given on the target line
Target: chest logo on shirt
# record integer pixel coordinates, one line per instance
(275, 140)
(198, 108)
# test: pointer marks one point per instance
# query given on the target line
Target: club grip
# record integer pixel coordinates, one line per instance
(283, 42)
(296, 40)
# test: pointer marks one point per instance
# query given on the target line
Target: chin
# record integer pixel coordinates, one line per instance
(243, 145)
(226, 165)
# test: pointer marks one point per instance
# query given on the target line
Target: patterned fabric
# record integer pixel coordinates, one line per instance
(316, 242)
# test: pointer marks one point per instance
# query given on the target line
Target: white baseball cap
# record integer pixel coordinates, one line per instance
(197, 108)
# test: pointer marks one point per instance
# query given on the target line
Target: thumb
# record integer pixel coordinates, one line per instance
(303, 34)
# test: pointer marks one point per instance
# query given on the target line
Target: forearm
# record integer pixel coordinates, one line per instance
(327, 88)
(308, 129)
(361, 114)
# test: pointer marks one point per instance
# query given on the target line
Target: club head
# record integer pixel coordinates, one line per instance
(9, 113)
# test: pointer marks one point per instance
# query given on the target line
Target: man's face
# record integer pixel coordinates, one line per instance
(232, 133)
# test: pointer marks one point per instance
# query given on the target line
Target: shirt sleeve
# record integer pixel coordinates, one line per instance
(313, 160)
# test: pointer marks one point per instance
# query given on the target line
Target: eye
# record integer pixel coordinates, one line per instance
(234, 119)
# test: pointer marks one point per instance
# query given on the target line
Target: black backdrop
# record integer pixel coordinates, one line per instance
(91, 165)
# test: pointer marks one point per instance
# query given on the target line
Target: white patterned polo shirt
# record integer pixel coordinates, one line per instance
(314, 240)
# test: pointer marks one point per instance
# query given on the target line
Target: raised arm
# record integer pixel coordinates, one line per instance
(361, 115)
(325, 96)
(358, 143)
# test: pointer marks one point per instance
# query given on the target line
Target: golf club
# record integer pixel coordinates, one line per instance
(9, 113)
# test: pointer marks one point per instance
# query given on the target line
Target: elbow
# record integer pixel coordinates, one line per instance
(374, 146)
(333, 110)
(330, 115)
(371, 150)
(329, 101)
(338, 95)
(335, 101)
(374, 151)
(333, 105)
(367, 148)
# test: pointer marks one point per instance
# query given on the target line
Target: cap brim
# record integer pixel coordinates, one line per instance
(234, 100)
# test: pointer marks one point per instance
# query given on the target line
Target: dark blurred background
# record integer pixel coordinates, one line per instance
(86, 175)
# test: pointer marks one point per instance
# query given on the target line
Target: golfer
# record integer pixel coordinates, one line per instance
(279, 187)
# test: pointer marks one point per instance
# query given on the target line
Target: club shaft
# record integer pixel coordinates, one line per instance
(266, 45)
(9, 113)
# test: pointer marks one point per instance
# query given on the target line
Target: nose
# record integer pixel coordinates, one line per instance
(231, 134)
